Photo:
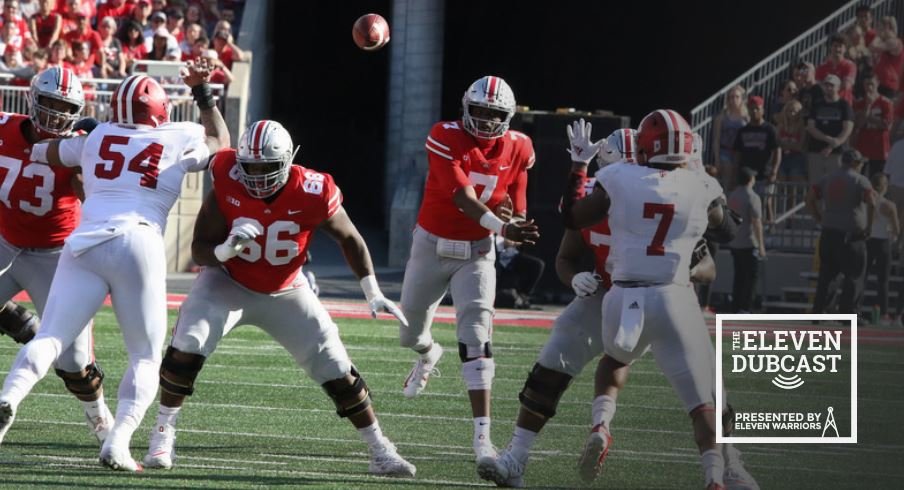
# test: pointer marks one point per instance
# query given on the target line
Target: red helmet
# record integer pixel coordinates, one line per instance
(139, 99)
(665, 137)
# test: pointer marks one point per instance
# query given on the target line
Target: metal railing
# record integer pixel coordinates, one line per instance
(766, 77)
(793, 228)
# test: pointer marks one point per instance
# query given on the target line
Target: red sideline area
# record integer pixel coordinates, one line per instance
(541, 319)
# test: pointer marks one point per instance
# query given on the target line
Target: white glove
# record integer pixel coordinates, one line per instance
(238, 238)
(377, 302)
(581, 148)
(585, 283)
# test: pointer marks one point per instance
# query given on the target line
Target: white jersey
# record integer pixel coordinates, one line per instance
(132, 174)
(656, 218)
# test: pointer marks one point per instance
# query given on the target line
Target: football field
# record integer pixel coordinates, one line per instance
(256, 421)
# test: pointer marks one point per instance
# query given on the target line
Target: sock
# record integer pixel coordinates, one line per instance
(522, 441)
(372, 434)
(167, 415)
(425, 356)
(94, 408)
(713, 466)
(122, 432)
(482, 431)
(603, 410)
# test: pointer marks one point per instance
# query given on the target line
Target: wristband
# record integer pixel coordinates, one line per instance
(370, 287)
(203, 96)
(492, 222)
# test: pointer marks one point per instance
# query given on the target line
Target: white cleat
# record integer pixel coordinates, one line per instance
(736, 476)
(504, 471)
(385, 461)
(101, 425)
(595, 451)
(7, 415)
(485, 451)
(118, 459)
(421, 372)
(162, 448)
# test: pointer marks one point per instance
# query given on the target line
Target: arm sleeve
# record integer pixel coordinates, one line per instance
(71, 151)
(332, 197)
(445, 164)
(195, 153)
(517, 190)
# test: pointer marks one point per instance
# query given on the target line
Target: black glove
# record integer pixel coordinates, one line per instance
(700, 253)
(86, 124)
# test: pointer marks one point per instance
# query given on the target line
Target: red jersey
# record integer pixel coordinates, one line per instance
(273, 262)
(38, 206)
(90, 36)
(45, 25)
(457, 160)
(873, 142)
(597, 238)
(845, 69)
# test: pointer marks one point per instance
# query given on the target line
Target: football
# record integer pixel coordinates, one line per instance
(370, 32)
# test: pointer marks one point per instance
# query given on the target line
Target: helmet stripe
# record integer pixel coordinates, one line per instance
(627, 144)
(492, 87)
(121, 102)
(257, 137)
(130, 116)
(670, 124)
(64, 82)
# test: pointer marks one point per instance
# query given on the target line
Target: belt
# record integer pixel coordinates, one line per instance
(637, 284)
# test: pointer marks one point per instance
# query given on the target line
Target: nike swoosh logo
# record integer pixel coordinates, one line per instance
(294, 211)
(481, 423)
(503, 168)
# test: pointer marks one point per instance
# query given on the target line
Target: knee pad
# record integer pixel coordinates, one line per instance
(86, 383)
(478, 373)
(350, 399)
(177, 376)
(542, 391)
(470, 352)
(18, 322)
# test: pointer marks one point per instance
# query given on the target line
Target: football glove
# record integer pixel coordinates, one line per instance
(585, 283)
(581, 148)
(238, 238)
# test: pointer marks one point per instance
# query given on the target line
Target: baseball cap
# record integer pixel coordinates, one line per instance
(755, 100)
(850, 156)
(833, 79)
(158, 16)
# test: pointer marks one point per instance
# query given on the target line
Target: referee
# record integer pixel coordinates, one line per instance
(848, 200)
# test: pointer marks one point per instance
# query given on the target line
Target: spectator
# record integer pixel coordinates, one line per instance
(865, 23)
(748, 246)
(159, 45)
(894, 169)
(872, 121)
(836, 64)
(24, 73)
(199, 49)
(517, 273)
(849, 202)
(883, 233)
(46, 26)
(210, 11)
(12, 59)
(809, 92)
(85, 34)
(219, 74)
(157, 21)
(158, 6)
(28, 8)
(140, 14)
(792, 130)
(226, 48)
(788, 93)
(860, 54)
(829, 127)
(11, 14)
(10, 36)
(114, 64)
(192, 33)
(118, 9)
(132, 40)
(59, 54)
(174, 22)
(193, 16)
(889, 54)
(733, 117)
(756, 147)
(70, 11)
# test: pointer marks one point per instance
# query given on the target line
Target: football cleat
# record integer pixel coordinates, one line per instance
(162, 448)
(421, 372)
(736, 476)
(118, 459)
(101, 425)
(504, 471)
(485, 451)
(7, 415)
(385, 461)
(595, 450)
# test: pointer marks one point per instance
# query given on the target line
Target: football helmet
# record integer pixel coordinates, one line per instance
(664, 137)
(488, 106)
(139, 99)
(264, 156)
(60, 85)
(620, 146)
(696, 161)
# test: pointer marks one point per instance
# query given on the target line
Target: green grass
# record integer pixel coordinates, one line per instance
(256, 421)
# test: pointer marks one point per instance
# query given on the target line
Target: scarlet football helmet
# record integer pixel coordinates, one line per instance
(620, 146)
(265, 155)
(55, 101)
(664, 137)
(139, 99)
(488, 106)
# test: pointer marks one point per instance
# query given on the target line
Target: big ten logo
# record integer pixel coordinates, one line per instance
(786, 353)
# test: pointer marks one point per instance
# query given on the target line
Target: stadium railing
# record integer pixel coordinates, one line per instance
(765, 78)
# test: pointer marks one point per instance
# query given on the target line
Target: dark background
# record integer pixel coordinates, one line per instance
(627, 57)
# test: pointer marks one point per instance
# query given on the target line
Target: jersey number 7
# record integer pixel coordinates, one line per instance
(650, 210)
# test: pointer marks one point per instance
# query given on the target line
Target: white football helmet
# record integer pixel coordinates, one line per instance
(620, 147)
(696, 160)
(264, 156)
(488, 106)
(56, 100)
